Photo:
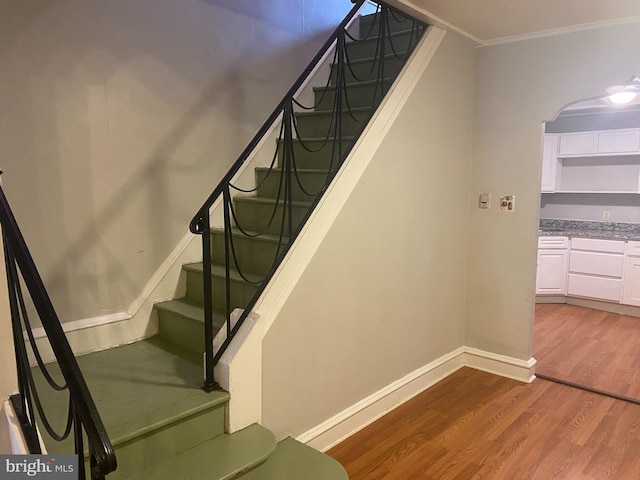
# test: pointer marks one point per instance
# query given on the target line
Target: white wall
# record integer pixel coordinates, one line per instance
(119, 117)
(520, 85)
(384, 293)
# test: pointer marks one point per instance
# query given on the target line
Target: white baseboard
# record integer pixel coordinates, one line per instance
(137, 322)
(358, 416)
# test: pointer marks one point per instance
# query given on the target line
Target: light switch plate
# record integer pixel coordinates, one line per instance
(484, 201)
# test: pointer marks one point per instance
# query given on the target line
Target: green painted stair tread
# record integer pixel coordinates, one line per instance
(137, 388)
(222, 458)
(300, 170)
(293, 460)
(219, 271)
(271, 201)
(257, 236)
(395, 42)
(363, 83)
(313, 113)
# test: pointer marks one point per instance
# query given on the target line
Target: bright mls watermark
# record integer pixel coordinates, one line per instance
(51, 467)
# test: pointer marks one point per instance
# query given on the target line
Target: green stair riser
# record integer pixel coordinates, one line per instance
(312, 182)
(324, 123)
(395, 24)
(184, 332)
(357, 95)
(253, 254)
(293, 460)
(254, 215)
(362, 70)
(319, 156)
(241, 292)
(153, 448)
(226, 457)
(397, 42)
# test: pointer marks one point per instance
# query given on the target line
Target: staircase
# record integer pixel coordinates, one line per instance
(162, 425)
(259, 241)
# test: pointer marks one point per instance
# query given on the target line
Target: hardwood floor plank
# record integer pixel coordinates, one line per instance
(590, 347)
(474, 425)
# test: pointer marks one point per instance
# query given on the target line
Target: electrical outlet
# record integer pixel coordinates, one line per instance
(605, 216)
(508, 203)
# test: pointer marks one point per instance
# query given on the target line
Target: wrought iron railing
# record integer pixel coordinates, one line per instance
(83, 418)
(283, 221)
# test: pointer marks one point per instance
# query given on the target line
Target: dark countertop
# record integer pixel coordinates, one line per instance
(584, 229)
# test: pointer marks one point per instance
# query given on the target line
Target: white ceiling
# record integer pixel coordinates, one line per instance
(495, 21)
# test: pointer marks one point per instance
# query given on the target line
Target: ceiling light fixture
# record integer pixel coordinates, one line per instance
(623, 94)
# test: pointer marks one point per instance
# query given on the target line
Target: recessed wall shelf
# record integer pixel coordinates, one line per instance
(592, 162)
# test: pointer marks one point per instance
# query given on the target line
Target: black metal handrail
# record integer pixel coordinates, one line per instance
(287, 175)
(83, 417)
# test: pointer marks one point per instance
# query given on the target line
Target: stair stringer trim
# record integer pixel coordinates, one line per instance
(316, 228)
(356, 417)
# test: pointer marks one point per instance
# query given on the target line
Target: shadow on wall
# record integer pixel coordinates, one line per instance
(124, 116)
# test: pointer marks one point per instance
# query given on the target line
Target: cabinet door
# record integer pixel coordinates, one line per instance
(576, 144)
(549, 163)
(631, 281)
(551, 278)
(619, 141)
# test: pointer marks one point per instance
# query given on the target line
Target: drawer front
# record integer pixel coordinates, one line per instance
(554, 242)
(595, 287)
(595, 263)
(596, 245)
(633, 248)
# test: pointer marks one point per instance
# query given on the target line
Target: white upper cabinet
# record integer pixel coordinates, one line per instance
(573, 144)
(605, 142)
(619, 141)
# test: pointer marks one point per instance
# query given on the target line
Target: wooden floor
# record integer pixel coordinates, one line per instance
(593, 348)
(475, 425)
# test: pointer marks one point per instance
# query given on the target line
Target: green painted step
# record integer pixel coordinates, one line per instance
(293, 460)
(323, 123)
(305, 181)
(257, 214)
(223, 458)
(241, 290)
(367, 68)
(395, 42)
(357, 94)
(396, 23)
(149, 399)
(254, 253)
(181, 322)
(316, 155)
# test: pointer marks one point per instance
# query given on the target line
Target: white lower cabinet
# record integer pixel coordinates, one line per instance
(631, 290)
(596, 268)
(553, 255)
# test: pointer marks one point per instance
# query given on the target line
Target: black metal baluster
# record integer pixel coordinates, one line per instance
(287, 201)
(340, 92)
(383, 36)
(78, 442)
(226, 196)
(209, 381)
